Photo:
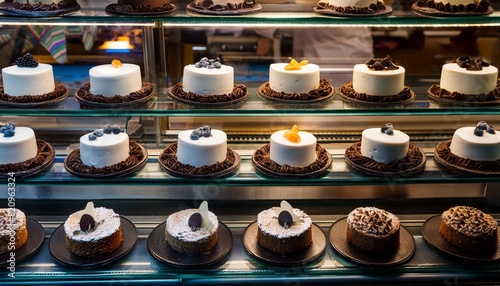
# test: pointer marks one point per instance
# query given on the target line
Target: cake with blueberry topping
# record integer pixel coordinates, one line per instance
(104, 147)
(293, 147)
(192, 231)
(208, 77)
(115, 79)
(479, 143)
(12, 224)
(203, 146)
(17, 144)
(384, 145)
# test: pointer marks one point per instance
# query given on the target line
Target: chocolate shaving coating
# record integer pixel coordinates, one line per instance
(59, 91)
(480, 7)
(239, 91)
(209, 5)
(262, 158)
(349, 92)
(471, 64)
(142, 8)
(444, 152)
(324, 89)
(461, 97)
(44, 150)
(381, 64)
(74, 163)
(372, 9)
(84, 93)
(413, 159)
(45, 7)
(169, 158)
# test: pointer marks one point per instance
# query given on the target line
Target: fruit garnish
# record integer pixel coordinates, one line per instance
(26, 61)
(388, 129)
(116, 63)
(115, 129)
(294, 65)
(478, 131)
(293, 134)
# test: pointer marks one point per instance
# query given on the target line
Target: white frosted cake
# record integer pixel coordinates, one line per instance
(293, 148)
(208, 77)
(469, 76)
(352, 3)
(294, 77)
(17, 144)
(379, 77)
(115, 79)
(104, 147)
(385, 144)
(203, 146)
(28, 77)
(480, 143)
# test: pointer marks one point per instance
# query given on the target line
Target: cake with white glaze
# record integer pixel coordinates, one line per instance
(12, 224)
(480, 143)
(293, 147)
(378, 77)
(115, 79)
(93, 232)
(28, 77)
(384, 144)
(208, 77)
(284, 229)
(192, 231)
(203, 146)
(104, 147)
(467, 75)
(17, 144)
(294, 77)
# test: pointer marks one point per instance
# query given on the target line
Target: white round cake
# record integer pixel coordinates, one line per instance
(382, 147)
(18, 148)
(203, 151)
(466, 144)
(295, 154)
(300, 80)
(208, 77)
(461, 80)
(18, 81)
(107, 150)
(352, 3)
(378, 82)
(115, 79)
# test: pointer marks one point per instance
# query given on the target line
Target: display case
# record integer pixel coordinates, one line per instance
(149, 195)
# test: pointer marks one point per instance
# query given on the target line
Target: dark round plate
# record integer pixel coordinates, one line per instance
(206, 104)
(432, 12)
(8, 9)
(113, 105)
(118, 173)
(61, 254)
(256, 8)
(387, 11)
(370, 103)
(36, 235)
(37, 104)
(339, 242)
(159, 248)
(449, 102)
(270, 98)
(113, 9)
(431, 235)
(47, 161)
(314, 251)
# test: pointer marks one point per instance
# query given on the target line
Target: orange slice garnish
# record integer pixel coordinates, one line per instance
(116, 63)
(293, 134)
(294, 65)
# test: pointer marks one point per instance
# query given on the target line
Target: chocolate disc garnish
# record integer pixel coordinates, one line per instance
(87, 223)
(195, 221)
(285, 219)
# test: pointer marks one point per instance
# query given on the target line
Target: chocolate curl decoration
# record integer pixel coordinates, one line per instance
(382, 64)
(471, 64)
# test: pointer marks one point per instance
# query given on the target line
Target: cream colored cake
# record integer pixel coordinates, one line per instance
(294, 77)
(12, 225)
(466, 79)
(352, 3)
(293, 148)
(104, 147)
(203, 146)
(115, 79)
(379, 77)
(384, 144)
(208, 77)
(476, 143)
(28, 77)
(18, 146)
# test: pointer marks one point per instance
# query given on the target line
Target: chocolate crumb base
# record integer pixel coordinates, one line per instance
(412, 164)
(445, 157)
(26, 101)
(42, 160)
(323, 92)
(447, 97)
(169, 163)
(136, 160)
(437, 8)
(207, 7)
(347, 93)
(239, 94)
(262, 161)
(140, 10)
(84, 96)
(39, 9)
(378, 9)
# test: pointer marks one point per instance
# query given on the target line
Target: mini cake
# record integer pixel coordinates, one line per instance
(115, 79)
(294, 77)
(150, 3)
(384, 144)
(208, 77)
(192, 231)
(93, 232)
(284, 229)
(378, 77)
(470, 76)
(12, 224)
(455, 6)
(480, 143)
(203, 146)
(221, 6)
(469, 229)
(43, 5)
(373, 230)
(28, 77)
(17, 144)
(104, 147)
(293, 147)
(352, 6)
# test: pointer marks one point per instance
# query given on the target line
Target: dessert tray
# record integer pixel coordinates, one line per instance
(262, 162)
(58, 250)
(137, 159)
(431, 235)
(447, 98)
(373, 11)
(30, 101)
(433, 12)
(169, 163)
(83, 96)
(314, 251)
(69, 7)
(443, 155)
(239, 94)
(323, 92)
(412, 164)
(36, 235)
(127, 10)
(339, 242)
(159, 248)
(349, 95)
(255, 8)
(44, 158)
